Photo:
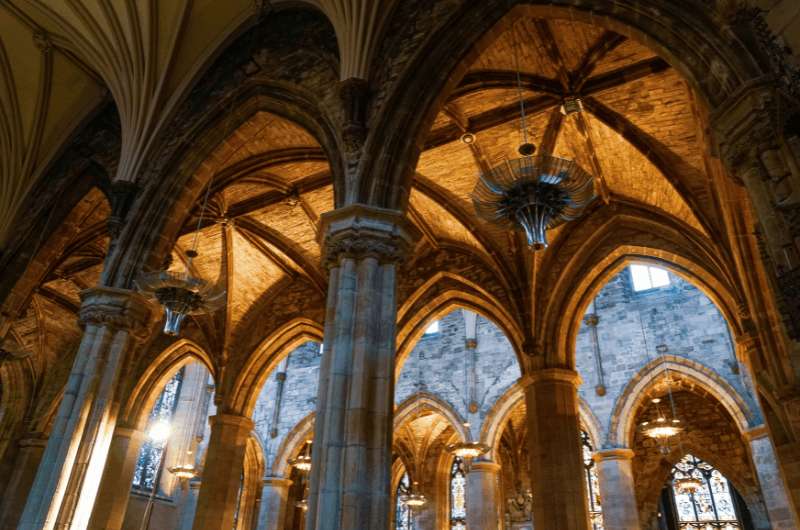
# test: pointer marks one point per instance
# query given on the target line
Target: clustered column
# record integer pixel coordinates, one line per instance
(67, 480)
(351, 468)
(483, 508)
(19, 484)
(773, 489)
(554, 449)
(274, 502)
(222, 474)
(615, 472)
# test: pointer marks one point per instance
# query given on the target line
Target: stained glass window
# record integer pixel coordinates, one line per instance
(458, 495)
(403, 519)
(592, 483)
(151, 452)
(711, 506)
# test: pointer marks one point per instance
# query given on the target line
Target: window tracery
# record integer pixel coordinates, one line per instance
(711, 507)
(403, 519)
(592, 483)
(151, 452)
(458, 495)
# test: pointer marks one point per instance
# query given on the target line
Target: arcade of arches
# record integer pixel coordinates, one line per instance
(313, 162)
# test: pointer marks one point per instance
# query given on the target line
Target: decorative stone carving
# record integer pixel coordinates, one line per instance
(360, 231)
(354, 93)
(117, 308)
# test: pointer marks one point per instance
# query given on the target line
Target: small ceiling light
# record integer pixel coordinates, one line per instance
(303, 505)
(571, 106)
(468, 449)
(468, 138)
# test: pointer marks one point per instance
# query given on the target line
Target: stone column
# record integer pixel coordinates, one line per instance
(19, 483)
(274, 503)
(483, 496)
(188, 504)
(114, 494)
(351, 467)
(554, 448)
(615, 473)
(773, 489)
(68, 478)
(222, 474)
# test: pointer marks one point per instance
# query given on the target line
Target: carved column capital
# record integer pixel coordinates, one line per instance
(359, 231)
(618, 453)
(551, 375)
(117, 308)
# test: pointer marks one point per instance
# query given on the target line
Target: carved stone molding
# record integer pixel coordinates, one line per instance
(117, 308)
(354, 93)
(359, 231)
(122, 196)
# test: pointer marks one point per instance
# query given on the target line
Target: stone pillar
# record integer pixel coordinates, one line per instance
(274, 503)
(615, 473)
(773, 489)
(351, 467)
(114, 494)
(483, 496)
(188, 504)
(68, 478)
(222, 474)
(554, 448)
(19, 483)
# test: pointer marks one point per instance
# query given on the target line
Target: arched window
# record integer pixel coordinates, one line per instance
(150, 455)
(704, 502)
(458, 495)
(403, 519)
(592, 483)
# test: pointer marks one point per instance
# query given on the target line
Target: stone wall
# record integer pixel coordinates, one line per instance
(633, 328)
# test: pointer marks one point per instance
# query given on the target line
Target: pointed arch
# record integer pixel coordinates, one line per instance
(251, 377)
(623, 418)
(427, 401)
(143, 395)
(442, 293)
(291, 445)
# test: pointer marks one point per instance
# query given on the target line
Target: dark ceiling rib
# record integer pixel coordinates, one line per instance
(626, 74)
(266, 160)
(583, 128)
(58, 299)
(547, 38)
(490, 118)
(671, 165)
(444, 199)
(423, 225)
(551, 131)
(478, 80)
(264, 200)
(274, 238)
(537, 104)
(605, 44)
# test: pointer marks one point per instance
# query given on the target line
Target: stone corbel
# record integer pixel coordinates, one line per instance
(121, 196)
(354, 94)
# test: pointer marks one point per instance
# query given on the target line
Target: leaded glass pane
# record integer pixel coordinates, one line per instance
(150, 454)
(711, 506)
(458, 495)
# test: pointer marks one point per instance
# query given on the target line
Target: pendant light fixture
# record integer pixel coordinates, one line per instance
(533, 193)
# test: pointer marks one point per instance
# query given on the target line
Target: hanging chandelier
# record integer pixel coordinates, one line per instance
(688, 485)
(183, 471)
(661, 429)
(533, 193)
(180, 294)
(301, 462)
(414, 499)
(468, 449)
(303, 505)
